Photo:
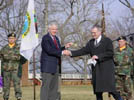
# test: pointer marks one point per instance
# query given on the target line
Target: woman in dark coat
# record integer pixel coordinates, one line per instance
(100, 49)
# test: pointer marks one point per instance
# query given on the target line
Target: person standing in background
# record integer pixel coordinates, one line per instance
(11, 67)
(123, 60)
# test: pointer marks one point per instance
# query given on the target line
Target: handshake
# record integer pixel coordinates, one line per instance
(66, 53)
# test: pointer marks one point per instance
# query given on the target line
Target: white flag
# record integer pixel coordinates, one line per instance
(29, 39)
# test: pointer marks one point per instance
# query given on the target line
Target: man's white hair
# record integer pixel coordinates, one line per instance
(98, 27)
(52, 24)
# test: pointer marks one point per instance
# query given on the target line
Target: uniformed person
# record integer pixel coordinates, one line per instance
(11, 67)
(123, 61)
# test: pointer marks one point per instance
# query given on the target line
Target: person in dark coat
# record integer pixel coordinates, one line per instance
(100, 49)
(50, 61)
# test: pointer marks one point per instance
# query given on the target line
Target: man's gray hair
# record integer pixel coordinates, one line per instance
(98, 27)
(51, 24)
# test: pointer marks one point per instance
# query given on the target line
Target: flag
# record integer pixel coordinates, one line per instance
(29, 39)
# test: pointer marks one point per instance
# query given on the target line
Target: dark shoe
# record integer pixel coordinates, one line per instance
(19, 98)
(6, 99)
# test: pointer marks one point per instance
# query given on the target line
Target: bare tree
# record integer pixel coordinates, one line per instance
(128, 4)
(75, 18)
(77, 30)
(45, 11)
(123, 26)
(12, 18)
(5, 3)
(128, 20)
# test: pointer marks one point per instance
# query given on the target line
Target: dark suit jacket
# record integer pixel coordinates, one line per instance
(50, 55)
(103, 73)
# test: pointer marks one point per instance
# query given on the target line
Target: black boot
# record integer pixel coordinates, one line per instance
(19, 98)
(5, 98)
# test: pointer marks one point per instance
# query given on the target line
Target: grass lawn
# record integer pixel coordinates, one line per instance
(76, 92)
(81, 92)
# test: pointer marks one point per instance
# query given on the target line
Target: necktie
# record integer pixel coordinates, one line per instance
(55, 42)
(95, 42)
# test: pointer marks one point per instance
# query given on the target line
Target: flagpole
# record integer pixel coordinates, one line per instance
(34, 74)
(1, 83)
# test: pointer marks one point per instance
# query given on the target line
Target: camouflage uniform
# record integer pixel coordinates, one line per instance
(10, 65)
(123, 62)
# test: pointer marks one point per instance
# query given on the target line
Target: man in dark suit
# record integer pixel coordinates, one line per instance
(100, 49)
(50, 60)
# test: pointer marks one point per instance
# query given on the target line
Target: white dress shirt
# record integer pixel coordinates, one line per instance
(97, 40)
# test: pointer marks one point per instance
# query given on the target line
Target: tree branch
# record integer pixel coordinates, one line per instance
(124, 3)
(6, 5)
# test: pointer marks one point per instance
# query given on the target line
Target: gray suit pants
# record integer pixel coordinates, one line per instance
(49, 88)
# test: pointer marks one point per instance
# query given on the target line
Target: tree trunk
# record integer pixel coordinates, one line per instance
(46, 16)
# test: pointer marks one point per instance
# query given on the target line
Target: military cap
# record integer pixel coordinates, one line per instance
(131, 38)
(122, 38)
(12, 35)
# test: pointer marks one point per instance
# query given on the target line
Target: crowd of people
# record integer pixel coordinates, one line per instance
(111, 73)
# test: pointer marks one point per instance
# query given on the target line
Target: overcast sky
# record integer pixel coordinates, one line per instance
(116, 9)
